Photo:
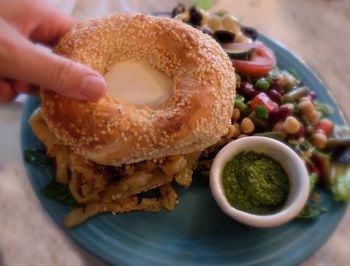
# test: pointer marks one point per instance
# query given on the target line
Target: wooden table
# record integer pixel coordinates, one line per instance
(312, 29)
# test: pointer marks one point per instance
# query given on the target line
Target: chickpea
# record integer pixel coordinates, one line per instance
(238, 130)
(242, 136)
(286, 80)
(241, 38)
(291, 125)
(231, 132)
(247, 125)
(319, 140)
(314, 116)
(214, 22)
(236, 114)
(205, 17)
(291, 80)
(278, 126)
(305, 98)
(185, 17)
(230, 23)
(306, 107)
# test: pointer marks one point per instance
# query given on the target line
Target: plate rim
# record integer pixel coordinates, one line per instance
(116, 260)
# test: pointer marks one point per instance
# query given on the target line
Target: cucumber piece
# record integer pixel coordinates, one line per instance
(239, 53)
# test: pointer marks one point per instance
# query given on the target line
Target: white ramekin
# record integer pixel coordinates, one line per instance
(289, 160)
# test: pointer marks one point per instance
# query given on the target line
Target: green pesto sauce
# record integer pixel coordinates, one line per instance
(255, 183)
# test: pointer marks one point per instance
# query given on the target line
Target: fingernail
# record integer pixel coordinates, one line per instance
(93, 87)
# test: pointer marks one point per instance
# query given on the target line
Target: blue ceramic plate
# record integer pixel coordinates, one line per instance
(196, 232)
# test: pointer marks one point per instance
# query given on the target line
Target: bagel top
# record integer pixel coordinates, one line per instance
(113, 132)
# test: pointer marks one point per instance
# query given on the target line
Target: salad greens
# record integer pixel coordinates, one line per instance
(37, 157)
(60, 192)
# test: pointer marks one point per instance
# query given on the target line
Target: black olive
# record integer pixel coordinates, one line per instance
(179, 9)
(250, 32)
(224, 36)
(195, 16)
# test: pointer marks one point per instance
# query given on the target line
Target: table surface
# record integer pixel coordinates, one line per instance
(312, 29)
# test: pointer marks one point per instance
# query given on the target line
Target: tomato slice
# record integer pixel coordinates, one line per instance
(262, 61)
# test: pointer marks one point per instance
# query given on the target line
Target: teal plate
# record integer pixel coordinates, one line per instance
(196, 232)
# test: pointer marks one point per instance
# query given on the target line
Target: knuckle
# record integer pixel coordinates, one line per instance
(60, 75)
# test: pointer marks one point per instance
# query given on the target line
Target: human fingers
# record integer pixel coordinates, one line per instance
(59, 74)
(52, 26)
(7, 93)
(22, 60)
(23, 87)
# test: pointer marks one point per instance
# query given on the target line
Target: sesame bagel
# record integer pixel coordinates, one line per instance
(113, 132)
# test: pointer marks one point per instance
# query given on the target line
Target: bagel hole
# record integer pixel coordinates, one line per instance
(138, 83)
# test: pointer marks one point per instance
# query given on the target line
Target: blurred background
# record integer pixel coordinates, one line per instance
(316, 30)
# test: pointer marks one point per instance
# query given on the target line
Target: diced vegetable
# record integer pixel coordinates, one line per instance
(295, 94)
(262, 112)
(238, 80)
(313, 180)
(319, 139)
(239, 53)
(274, 95)
(325, 125)
(262, 60)
(247, 125)
(264, 100)
(195, 16)
(293, 72)
(203, 4)
(325, 109)
(291, 125)
(281, 113)
(301, 132)
(322, 162)
(239, 98)
(259, 123)
(224, 36)
(279, 135)
(311, 212)
(250, 32)
(239, 103)
(335, 143)
(341, 184)
(247, 89)
(262, 84)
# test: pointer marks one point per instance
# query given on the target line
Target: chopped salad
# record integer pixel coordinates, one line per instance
(275, 103)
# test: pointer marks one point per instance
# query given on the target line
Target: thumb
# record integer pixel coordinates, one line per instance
(59, 74)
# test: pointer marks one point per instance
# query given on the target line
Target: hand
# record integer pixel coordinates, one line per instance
(25, 66)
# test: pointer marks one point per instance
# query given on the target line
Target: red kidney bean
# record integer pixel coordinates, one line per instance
(301, 132)
(277, 87)
(281, 113)
(247, 89)
(274, 95)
